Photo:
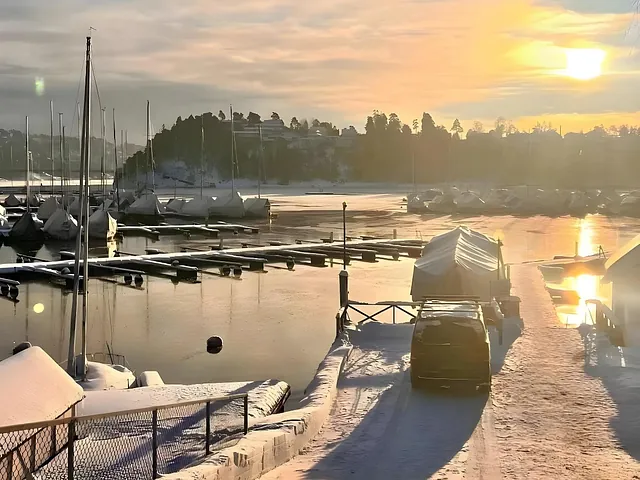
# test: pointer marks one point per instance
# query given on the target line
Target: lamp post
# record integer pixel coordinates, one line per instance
(343, 276)
(344, 235)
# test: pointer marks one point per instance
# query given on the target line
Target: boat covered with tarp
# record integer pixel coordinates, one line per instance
(146, 205)
(12, 201)
(48, 208)
(228, 206)
(28, 228)
(175, 205)
(257, 207)
(102, 226)
(198, 207)
(459, 262)
(61, 226)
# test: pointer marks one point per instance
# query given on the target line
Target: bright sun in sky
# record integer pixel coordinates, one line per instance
(584, 63)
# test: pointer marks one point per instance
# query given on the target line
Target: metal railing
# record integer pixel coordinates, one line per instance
(137, 444)
(395, 308)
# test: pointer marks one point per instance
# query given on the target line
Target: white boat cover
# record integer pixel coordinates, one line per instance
(102, 225)
(148, 205)
(3, 221)
(257, 207)
(28, 227)
(459, 262)
(175, 205)
(48, 208)
(469, 201)
(12, 201)
(61, 226)
(3, 211)
(228, 206)
(198, 207)
(442, 204)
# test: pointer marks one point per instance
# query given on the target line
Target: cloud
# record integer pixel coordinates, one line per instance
(333, 59)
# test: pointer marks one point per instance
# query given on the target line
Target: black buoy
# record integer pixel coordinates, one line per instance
(128, 278)
(291, 263)
(65, 271)
(21, 346)
(4, 290)
(175, 263)
(214, 345)
(237, 271)
(225, 271)
(19, 260)
(138, 280)
(13, 292)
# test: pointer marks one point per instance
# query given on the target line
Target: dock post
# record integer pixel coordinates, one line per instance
(343, 277)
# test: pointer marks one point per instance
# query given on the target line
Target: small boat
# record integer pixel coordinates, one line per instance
(48, 208)
(12, 201)
(61, 226)
(175, 205)
(198, 207)
(228, 206)
(102, 226)
(28, 228)
(257, 207)
(147, 205)
(564, 296)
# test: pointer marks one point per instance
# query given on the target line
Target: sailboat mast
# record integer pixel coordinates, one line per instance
(64, 157)
(61, 152)
(115, 157)
(260, 161)
(85, 205)
(51, 145)
(26, 147)
(79, 141)
(146, 183)
(103, 160)
(201, 154)
(233, 143)
(80, 252)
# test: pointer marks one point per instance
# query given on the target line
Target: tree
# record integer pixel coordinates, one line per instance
(406, 129)
(456, 127)
(315, 123)
(370, 127)
(238, 116)
(380, 121)
(478, 127)
(253, 118)
(623, 131)
(394, 123)
(275, 116)
(221, 115)
(511, 128)
(500, 127)
(416, 125)
(295, 124)
(427, 122)
(304, 128)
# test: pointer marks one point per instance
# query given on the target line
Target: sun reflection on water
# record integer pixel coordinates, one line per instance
(588, 287)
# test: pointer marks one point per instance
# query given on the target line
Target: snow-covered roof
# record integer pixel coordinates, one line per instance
(625, 260)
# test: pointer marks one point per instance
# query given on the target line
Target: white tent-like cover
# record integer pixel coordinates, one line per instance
(148, 205)
(61, 226)
(198, 207)
(459, 262)
(228, 206)
(48, 208)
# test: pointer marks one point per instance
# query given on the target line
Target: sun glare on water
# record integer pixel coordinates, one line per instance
(584, 63)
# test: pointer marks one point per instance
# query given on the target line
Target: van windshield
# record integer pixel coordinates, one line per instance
(454, 331)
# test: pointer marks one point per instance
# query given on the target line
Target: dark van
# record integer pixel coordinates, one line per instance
(450, 345)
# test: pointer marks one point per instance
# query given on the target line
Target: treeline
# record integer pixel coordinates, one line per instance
(391, 150)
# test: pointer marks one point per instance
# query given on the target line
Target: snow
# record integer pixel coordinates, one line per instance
(34, 388)
(263, 396)
(546, 417)
(101, 376)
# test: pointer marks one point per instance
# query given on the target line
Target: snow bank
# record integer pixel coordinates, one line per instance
(101, 376)
(274, 440)
(34, 388)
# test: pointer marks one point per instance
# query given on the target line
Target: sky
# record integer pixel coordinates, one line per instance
(336, 60)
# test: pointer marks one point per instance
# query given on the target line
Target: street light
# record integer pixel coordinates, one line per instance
(344, 235)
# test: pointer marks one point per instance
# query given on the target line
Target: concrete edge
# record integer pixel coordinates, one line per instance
(276, 439)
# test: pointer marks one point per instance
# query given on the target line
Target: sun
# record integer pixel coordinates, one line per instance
(584, 63)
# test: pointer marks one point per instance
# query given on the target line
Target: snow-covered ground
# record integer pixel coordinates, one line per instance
(546, 418)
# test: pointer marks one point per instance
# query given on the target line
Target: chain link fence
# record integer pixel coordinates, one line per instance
(135, 444)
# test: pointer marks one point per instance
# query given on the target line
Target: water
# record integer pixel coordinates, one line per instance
(277, 324)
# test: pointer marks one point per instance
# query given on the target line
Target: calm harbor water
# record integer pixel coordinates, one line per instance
(277, 324)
